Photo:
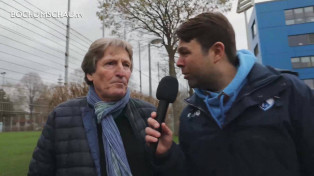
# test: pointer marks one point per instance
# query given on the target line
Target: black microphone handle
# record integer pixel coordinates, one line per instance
(161, 115)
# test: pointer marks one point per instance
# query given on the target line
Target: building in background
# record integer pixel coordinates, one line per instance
(281, 34)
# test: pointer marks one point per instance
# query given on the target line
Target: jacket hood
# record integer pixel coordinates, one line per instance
(215, 101)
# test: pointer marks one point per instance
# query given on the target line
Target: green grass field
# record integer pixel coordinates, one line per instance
(16, 149)
(176, 139)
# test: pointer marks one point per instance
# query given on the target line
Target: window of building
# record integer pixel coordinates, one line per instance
(289, 17)
(306, 62)
(300, 40)
(311, 38)
(309, 14)
(253, 30)
(256, 51)
(299, 15)
(302, 62)
(295, 62)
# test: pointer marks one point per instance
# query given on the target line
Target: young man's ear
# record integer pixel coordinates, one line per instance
(89, 77)
(218, 50)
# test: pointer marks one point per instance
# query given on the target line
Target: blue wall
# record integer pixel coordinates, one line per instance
(273, 33)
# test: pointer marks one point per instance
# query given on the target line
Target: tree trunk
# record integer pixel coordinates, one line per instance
(172, 72)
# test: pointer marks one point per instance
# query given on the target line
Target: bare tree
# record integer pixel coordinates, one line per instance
(6, 109)
(33, 85)
(159, 18)
(61, 94)
(41, 108)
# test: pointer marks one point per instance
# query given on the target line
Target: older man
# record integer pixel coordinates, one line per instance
(103, 133)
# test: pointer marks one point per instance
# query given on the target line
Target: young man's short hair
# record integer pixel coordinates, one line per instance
(209, 28)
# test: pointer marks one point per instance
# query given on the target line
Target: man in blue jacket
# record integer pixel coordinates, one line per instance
(244, 119)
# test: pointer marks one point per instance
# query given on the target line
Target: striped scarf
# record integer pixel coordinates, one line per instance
(116, 160)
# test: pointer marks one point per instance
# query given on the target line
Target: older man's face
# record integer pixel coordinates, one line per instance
(112, 74)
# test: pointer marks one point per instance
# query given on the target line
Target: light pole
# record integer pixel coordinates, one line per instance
(66, 65)
(154, 41)
(158, 69)
(103, 20)
(140, 65)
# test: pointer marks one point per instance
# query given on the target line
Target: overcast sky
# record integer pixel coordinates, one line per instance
(38, 44)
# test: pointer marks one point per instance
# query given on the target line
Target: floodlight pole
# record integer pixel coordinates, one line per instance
(103, 20)
(67, 46)
(154, 41)
(140, 65)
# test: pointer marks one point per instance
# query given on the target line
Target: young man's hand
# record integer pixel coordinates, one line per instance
(152, 135)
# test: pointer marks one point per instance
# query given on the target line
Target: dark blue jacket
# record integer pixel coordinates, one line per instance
(67, 142)
(269, 131)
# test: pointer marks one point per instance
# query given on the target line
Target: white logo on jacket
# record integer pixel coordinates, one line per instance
(267, 104)
(195, 114)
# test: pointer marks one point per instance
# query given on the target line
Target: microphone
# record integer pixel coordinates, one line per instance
(167, 91)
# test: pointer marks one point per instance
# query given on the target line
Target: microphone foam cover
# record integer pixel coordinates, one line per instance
(167, 89)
